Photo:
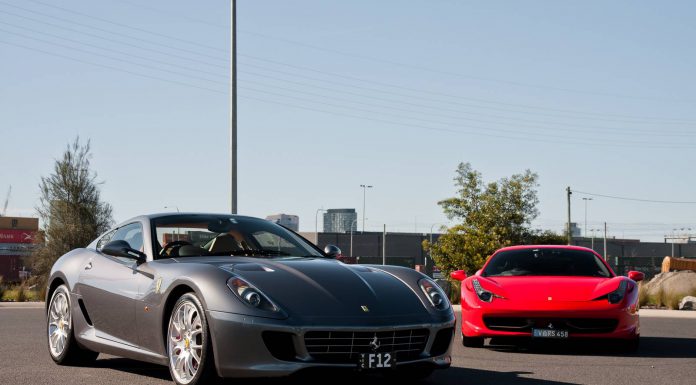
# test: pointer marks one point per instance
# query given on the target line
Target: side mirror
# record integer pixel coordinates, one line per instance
(332, 251)
(459, 275)
(122, 249)
(636, 275)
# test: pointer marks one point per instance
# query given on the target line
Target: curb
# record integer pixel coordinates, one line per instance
(22, 305)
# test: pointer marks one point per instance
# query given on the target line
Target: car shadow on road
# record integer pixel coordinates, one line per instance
(650, 347)
(136, 367)
(453, 375)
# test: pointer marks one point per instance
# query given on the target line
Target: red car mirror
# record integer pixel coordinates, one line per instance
(636, 275)
(459, 275)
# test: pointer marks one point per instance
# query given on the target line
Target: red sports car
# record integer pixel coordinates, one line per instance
(549, 292)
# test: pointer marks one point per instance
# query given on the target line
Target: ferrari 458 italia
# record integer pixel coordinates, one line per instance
(549, 292)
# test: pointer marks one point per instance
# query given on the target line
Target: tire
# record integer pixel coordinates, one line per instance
(62, 346)
(472, 342)
(189, 347)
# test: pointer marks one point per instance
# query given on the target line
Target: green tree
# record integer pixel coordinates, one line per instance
(490, 215)
(70, 208)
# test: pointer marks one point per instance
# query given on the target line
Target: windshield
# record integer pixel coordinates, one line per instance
(191, 235)
(546, 262)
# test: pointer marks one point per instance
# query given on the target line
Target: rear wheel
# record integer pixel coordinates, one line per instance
(188, 343)
(472, 342)
(62, 345)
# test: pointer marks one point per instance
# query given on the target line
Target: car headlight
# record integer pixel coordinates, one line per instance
(483, 294)
(618, 295)
(250, 295)
(434, 293)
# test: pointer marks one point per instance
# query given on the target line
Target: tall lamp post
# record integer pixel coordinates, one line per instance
(586, 199)
(364, 187)
(233, 106)
(351, 236)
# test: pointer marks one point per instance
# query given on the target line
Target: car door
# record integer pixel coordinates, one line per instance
(109, 287)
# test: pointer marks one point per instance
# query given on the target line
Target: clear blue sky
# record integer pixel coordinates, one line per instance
(596, 95)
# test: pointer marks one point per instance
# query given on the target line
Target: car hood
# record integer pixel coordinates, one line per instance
(319, 289)
(555, 288)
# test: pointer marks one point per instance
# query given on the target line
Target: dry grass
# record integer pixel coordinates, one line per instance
(19, 293)
(662, 299)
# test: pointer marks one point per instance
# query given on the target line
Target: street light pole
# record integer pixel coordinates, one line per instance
(351, 236)
(586, 199)
(233, 106)
(364, 187)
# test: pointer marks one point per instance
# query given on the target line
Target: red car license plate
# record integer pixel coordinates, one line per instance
(549, 333)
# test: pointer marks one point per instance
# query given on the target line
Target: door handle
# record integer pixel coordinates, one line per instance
(88, 266)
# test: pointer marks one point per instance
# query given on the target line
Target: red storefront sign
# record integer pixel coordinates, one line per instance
(16, 236)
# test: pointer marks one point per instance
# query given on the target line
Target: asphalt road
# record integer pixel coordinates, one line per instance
(667, 356)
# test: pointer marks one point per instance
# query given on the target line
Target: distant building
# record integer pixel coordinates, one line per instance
(16, 243)
(575, 231)
(340, 220)
(292, 222)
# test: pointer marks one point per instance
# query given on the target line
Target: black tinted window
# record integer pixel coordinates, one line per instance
(546, 262)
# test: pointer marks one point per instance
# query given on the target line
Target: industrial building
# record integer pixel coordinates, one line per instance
(16, 243)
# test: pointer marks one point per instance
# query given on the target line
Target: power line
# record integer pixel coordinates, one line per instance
(665, 120)
(400, 64)
(517, 121)
(112, 67)
(635, 199)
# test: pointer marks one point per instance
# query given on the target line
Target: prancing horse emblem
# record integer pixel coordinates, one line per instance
(374, 344)
(365, 309)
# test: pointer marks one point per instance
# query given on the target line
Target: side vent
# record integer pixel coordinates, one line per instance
(84, 311)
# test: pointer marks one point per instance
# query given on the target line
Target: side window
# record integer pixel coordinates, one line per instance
(106, 238)
(132, 233)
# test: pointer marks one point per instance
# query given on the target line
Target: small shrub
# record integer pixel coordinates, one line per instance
(2, 287)
(643, 298)
(455, 291)
(22, 292)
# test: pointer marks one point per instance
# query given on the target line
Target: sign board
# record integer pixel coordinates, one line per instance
(16, 236)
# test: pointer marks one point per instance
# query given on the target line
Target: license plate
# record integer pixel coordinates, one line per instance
(376, 360)
(549, 333)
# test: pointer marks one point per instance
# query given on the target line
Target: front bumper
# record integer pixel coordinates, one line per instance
(583, 320)
(240, 349)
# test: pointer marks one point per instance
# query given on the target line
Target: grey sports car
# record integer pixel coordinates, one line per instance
(235, 296)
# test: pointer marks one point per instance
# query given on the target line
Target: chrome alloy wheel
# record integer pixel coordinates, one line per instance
(58, 323)
(185, 338)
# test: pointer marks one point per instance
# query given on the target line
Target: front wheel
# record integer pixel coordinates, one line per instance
(62, 345)
(188, 343)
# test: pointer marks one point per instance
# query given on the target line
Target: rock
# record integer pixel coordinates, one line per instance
(687, 303)
(672, 282)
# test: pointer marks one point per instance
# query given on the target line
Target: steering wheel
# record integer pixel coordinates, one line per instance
(166, 250)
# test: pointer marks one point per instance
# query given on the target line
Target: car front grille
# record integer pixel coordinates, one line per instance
(573, 325)
(346, 346)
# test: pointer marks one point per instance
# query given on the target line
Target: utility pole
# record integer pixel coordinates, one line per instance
(384, 245)
(605, 241)
(570, 237)
(233, 106)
